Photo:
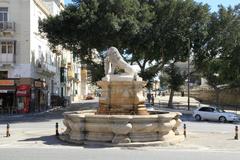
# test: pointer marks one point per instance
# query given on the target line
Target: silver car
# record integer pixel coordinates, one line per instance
(205, 112)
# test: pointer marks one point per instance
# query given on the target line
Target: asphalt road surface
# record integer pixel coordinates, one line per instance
(32, 138)
(111, 154)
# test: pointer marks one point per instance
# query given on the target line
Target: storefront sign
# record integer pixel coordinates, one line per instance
(21, 92)
(6, 82)
(38, 84)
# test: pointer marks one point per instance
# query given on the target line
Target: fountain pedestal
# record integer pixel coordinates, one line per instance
(121, 95)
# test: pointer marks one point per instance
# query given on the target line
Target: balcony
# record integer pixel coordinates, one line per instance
(77, 77)
(70, 71)
(50, 68)
(7, 52)
(63, 63)
(57, 50)
(45, 68)
(7, 59)
(70, 74)
(7, 27)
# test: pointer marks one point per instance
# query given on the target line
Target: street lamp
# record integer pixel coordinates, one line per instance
(188, 68)
(156, 87)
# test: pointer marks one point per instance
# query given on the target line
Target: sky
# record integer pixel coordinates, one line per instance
(213, 3)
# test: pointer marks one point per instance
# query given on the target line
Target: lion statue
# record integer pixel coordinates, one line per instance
(113, 60)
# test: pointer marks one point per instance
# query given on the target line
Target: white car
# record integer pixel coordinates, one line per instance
(205, 112)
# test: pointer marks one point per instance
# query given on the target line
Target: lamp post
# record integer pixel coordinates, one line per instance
(188, 68)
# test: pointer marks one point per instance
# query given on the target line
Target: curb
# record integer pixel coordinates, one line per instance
(173, 141)
(10, 117)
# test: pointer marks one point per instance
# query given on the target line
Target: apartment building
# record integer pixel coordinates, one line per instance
(30, 72)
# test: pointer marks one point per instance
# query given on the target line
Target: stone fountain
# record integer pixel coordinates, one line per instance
(121, 118)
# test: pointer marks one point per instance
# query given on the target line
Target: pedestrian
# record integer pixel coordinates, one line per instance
(1, 102)
(152, 97)
(149, 97)
(1, 105)
(182, 93)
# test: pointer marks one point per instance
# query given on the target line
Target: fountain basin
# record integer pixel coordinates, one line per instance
(84, 127)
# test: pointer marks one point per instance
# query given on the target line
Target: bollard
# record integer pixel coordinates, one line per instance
(184, 130)
(57, 133)
(7, 132)
(236, 133)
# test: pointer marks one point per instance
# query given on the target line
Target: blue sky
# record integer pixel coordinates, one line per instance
(213, 3)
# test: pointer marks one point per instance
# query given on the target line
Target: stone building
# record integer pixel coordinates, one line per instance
(30, 72)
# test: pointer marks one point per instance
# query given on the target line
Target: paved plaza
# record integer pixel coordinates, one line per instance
(36, 133)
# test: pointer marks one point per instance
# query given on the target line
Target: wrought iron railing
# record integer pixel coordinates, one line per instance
(7, 26)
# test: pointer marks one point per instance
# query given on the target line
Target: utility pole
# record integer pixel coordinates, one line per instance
(188, 68)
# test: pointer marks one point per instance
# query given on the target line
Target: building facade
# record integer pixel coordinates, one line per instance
(30, 72)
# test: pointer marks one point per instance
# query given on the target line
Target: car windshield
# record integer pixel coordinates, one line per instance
(220, 110)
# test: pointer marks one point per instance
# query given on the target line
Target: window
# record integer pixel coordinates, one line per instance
(6, 47)
(210, 109)
(206, 109)
(3, 14)
(3, 74)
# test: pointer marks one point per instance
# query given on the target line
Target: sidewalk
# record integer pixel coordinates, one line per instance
(180, 104)
(20, 115)
(59, 110)
(178, 101)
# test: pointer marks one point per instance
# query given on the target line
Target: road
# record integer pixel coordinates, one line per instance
(32, 137)
(111, 153)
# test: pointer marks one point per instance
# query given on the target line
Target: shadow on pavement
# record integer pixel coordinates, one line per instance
(48, 140)
(53, 140)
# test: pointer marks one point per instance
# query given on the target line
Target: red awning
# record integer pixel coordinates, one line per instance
(23, 87)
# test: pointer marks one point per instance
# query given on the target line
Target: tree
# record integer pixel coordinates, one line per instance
(89, 24)
(218, 60)
(177, 23)
(148, 33)
(174, 79)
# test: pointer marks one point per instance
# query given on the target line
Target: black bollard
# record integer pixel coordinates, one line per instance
(7, 132)
(236, 133)
(57, 133)
(184, 130)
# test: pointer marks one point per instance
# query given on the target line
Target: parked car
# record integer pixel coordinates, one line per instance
(206, 112)
(57, 100)
(89, 96)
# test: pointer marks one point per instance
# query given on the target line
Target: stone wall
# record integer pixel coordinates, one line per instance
(227, 96)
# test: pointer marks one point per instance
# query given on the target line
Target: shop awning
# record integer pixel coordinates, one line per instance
(7, 90)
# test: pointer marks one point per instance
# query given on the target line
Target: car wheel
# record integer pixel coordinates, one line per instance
(198, 117)
(222, 119)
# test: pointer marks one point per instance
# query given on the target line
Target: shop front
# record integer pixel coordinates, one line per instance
(7, 96)
(39, 96)
(23, 98)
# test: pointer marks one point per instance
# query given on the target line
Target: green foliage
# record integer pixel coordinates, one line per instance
(218, 60)
(173, 77)
(151, 32)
